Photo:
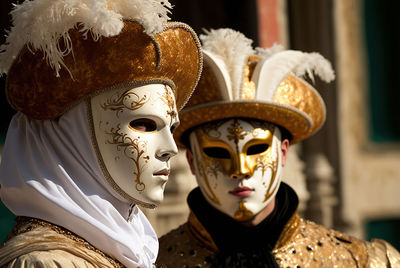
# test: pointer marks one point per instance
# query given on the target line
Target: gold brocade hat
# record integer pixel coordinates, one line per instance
(59, 52)
(265, 84)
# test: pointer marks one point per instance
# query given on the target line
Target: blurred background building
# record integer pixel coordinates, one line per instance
(347, 175)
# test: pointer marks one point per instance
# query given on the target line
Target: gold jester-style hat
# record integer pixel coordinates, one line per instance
(59, 52)
(264, 84)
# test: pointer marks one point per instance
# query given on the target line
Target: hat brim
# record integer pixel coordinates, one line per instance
(298, 123)
(130, 58)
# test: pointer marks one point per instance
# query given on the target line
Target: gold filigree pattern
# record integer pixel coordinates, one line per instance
(243, 214)
(127, 100)
(133, 149)
(236, 133)
(169, 100)
(269, 161)
(205, 167)
(213, 170)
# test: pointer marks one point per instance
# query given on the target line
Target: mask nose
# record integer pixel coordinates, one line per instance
(240, 169)
(167, 149)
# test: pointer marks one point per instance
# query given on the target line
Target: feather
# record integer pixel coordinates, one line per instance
(274, 69)
(233, 48)
(315, 63)
(42, 24)
(265, 53)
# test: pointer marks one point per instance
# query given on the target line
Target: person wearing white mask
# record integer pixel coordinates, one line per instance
(249, 106)
(97, 86)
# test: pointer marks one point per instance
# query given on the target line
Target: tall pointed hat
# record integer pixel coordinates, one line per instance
(61, 51)
(264, 84)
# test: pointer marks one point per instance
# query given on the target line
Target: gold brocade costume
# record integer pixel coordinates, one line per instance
(302, 243)
(243, 83)
(36, 243)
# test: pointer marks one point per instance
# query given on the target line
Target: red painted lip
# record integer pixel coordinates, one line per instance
(163, 172)
(241, 191)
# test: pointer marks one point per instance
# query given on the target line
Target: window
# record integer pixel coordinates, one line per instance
(383, 54)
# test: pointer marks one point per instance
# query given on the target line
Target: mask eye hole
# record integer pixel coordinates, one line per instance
(257, 149)
(143, 125)
(217, 152)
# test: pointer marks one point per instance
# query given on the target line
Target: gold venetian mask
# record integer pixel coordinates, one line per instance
(237, 165)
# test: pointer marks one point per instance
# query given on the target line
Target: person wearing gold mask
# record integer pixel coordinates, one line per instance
(97, 86)
(250, 104)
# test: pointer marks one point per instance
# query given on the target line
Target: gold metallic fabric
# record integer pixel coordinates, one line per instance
(302, 243)
(36, 243)
(249, 87)
(296, 93)
(382, 254)
(131, 58)
(308, 244)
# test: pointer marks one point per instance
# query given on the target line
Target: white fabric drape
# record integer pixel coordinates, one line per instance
(49, 171)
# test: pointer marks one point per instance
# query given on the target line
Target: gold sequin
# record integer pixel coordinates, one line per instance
(249, 87)
(301, 244)
(297, 93)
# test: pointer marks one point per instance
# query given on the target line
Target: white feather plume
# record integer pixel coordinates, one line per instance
(265, 53)
(42, 24)
(233, 48)
(314, 63)
(278, 66)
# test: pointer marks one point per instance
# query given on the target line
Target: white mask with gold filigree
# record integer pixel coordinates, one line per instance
(237, 164)
(133, 138)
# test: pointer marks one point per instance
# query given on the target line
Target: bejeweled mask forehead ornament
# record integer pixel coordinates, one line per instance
(132, 133)
(237, 164)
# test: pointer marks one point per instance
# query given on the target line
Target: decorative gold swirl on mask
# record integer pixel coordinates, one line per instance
(210, 166)
(169, 100)
(118, 102)
(237, 133)
(267, 161)
(243, 214)
(132, 150)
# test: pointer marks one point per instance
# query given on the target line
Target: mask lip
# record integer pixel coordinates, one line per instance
(102, 165)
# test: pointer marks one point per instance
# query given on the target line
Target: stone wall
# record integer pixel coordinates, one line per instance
(370, 172)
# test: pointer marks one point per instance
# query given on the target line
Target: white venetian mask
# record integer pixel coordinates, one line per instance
(237, 165)
(133, 131)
